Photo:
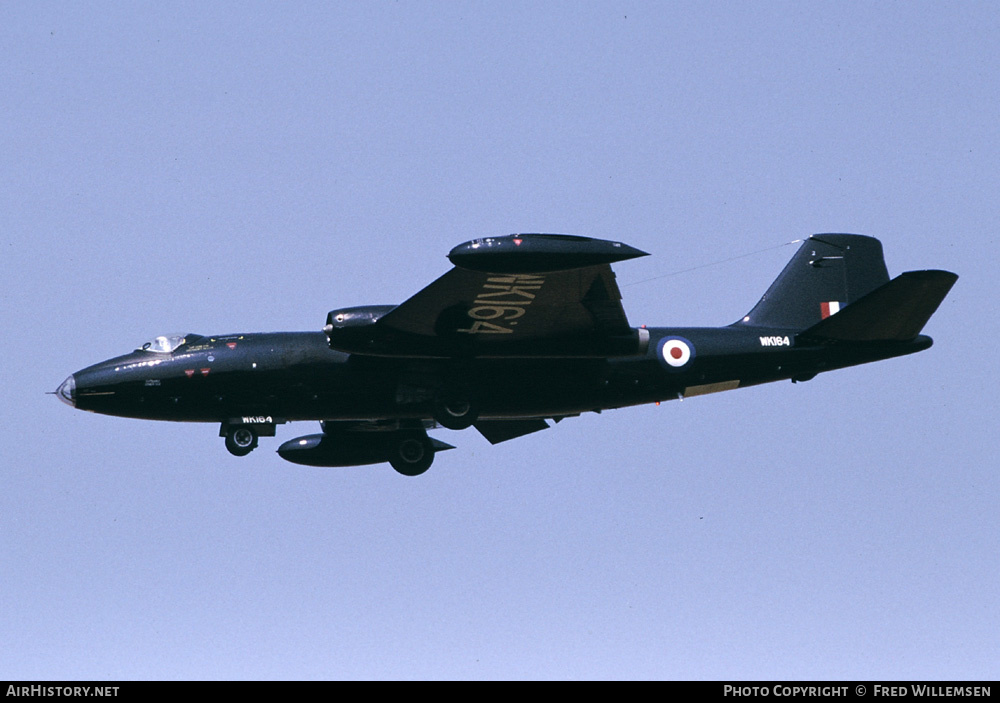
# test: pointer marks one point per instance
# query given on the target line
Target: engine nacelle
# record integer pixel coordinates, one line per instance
(347, 328)
(361, 316)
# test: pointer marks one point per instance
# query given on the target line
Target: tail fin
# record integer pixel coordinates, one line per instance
(894, 312)
(827, 273)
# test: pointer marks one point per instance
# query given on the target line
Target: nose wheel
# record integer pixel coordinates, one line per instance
(240, 441)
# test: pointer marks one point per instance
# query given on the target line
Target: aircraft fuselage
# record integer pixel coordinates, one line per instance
(289, 376)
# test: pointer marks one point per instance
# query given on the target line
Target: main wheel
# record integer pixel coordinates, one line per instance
(412, 455)
(455, 414)
(240, 441)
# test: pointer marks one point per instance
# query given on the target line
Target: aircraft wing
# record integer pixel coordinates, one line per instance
(531, 295)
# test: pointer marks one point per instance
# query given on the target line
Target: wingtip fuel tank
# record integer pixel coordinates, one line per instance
(539, 253)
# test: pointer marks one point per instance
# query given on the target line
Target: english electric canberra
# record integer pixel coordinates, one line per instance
(524, 329)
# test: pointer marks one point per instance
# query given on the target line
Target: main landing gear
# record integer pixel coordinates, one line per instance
(412, 453)
(455, 413)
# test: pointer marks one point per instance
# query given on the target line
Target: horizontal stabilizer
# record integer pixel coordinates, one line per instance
(896, 311)
(496, 431)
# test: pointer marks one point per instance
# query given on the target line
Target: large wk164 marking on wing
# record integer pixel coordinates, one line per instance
(500, 302)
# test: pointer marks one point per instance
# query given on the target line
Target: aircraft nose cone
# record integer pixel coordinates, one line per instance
(67, 391)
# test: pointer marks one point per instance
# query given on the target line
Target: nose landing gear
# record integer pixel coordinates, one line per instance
(242, 433)
(240, 441)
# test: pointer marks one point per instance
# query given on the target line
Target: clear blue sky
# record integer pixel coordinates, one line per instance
(224, 167)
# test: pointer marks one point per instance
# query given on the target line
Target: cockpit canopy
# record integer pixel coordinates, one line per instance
(166, 343)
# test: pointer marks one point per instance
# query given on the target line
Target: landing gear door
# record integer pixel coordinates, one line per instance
(262, 425)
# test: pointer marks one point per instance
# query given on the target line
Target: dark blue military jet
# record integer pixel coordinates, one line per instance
(524, 329)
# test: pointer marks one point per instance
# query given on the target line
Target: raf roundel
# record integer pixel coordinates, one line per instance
(676, 352)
